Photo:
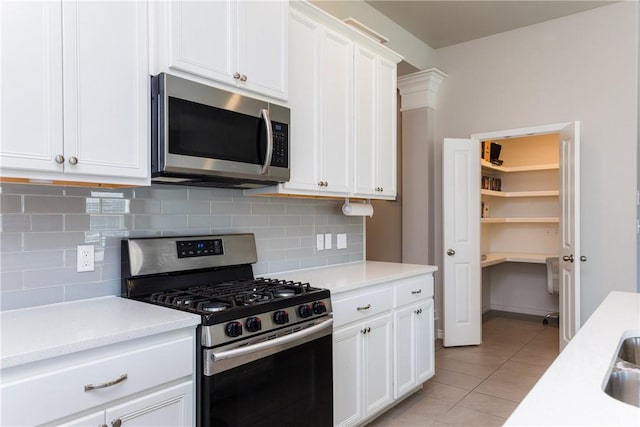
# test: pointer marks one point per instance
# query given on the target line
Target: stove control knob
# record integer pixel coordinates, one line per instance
(304, 311)
(281, 317)
(319, 307)
(253, 324)
(233, 329)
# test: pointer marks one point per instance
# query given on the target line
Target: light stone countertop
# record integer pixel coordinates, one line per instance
(570, 393)
(347, 277)
(37, 333)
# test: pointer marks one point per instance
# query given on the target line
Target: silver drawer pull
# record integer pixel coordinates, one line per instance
(90, 387)
(419, 291)
(366, 307)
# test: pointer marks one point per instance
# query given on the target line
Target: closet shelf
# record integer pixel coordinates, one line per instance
(543, 193)
(501, 257)
(543, 220)
(528, 168)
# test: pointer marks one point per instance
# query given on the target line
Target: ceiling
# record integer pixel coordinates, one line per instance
(444, 23)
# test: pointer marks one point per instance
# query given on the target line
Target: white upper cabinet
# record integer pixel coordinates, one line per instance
(31, 89)
(336, 80)
(342, 95)
(375, 126)
(238, 43)
(75, 92)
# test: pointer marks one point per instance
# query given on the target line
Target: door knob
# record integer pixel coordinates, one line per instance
(583, 258)
(568, 258)
(451, 252)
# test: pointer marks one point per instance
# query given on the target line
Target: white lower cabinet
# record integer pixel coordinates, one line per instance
(142, 382)
(413, 345)
(362, 372)
(383, 346)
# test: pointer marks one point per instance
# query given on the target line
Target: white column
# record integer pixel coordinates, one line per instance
(418, 104)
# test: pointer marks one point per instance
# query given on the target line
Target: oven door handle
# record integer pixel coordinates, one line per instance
(265, 345)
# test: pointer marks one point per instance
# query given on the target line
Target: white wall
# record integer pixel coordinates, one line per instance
(415, 52)
(581, 67)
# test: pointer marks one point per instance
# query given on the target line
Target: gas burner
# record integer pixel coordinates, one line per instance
(251, 297)
(213, 307)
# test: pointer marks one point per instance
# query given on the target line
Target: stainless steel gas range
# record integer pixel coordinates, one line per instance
(264, 353)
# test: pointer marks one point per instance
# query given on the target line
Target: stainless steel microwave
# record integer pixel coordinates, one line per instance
(201, 135)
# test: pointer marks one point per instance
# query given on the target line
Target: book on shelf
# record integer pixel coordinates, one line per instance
(486, 150)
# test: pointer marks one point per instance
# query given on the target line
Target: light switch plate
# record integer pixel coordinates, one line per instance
(320, 242)
(327, 241)
(341, 242)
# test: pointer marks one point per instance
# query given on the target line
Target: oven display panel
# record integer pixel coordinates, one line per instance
(197, 248)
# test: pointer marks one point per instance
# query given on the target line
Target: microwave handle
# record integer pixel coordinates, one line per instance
(267, 160)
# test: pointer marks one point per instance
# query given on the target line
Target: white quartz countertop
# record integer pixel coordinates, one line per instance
(42, 332)
(347, 277)
(570, 393)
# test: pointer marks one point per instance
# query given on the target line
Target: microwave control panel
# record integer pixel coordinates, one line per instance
(280, 157)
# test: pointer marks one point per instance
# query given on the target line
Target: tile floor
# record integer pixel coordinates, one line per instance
(481, 385)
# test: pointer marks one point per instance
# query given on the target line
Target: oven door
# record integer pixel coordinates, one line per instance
(286, 381)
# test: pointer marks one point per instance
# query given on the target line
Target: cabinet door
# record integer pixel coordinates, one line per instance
(262, 46)
(168, 407)
(304, 45)
(106, 88)
(365, 122)
(336, 87)
(377, 364)
(203, 38)
(386, 132)
(347, 375)
(425, 341)
(404, 325)
(30, 86)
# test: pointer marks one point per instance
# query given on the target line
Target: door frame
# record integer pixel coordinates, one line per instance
(568, 327)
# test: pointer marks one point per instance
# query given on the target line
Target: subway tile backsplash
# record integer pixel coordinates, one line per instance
(42, 225)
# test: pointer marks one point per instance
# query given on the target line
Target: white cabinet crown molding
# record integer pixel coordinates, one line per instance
(419, 90)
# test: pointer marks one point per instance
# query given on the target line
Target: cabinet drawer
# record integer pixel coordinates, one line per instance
(412, 289)
(361, 306)
(47, 395)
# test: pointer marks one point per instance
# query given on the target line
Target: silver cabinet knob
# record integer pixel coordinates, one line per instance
(59, 159)
(568, 258)
(243, 78)
(116, 423)
(451, 252)
(583, 258)
(73, 160)
(236, 75)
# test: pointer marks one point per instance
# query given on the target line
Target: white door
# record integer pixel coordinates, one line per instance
(569, 232)
(461, 242)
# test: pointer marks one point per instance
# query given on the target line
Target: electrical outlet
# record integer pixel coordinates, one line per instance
(85, 258)
(327, 241)
(341, 242)
(320, 242)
